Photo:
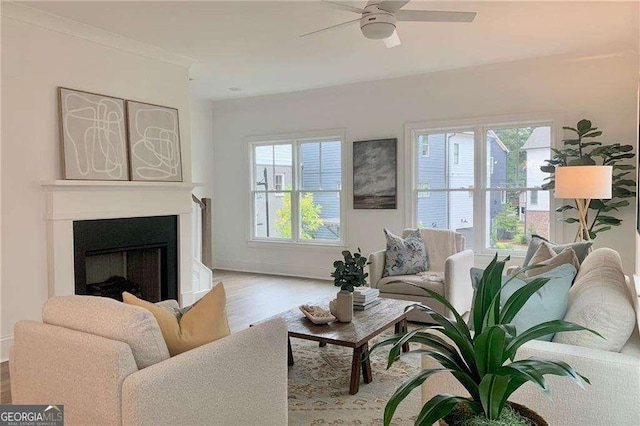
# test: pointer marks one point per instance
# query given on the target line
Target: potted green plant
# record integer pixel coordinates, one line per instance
(349, 273)
(581, 149)
(482, 361)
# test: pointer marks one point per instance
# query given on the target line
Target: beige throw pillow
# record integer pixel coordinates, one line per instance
(547, 259)
(205, 322)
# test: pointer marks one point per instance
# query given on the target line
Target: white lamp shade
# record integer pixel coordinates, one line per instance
(586, 182)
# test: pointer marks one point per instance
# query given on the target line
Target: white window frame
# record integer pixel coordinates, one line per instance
(296, 140)
(479, 126)
(456, 153)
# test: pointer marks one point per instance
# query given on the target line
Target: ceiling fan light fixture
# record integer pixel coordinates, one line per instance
(378, 30)
(378, 26)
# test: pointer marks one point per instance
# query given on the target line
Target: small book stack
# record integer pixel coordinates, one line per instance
(365, 298)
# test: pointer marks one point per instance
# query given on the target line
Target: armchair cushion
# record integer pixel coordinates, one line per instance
(404, 256)
(398, 284)
(111, 319)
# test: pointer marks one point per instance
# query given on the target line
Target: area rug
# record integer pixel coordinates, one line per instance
(319, 387)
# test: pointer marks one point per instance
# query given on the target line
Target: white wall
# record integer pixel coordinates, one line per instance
(35, 61)
(600, 88)
(201, 112)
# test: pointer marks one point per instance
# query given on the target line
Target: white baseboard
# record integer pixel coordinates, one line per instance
(285, 269)
(5, 343)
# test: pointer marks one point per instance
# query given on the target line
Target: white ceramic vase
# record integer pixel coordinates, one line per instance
(344, 306)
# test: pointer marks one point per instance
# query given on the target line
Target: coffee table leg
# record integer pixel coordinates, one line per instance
(401, 327)
(289, 353)
(366, 365)
(405, 347)
(356, 366)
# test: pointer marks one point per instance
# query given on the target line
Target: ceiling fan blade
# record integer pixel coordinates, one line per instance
(392, 5)
(333, 27)
(343, 6)
(393, 40)
(434, 16)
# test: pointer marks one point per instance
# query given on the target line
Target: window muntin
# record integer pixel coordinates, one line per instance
(303, 201)
(507, 189)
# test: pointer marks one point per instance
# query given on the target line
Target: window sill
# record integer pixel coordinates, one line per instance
(288, 245)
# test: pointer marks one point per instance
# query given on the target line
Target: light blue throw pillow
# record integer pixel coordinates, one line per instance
(547, 304)
(404, 256)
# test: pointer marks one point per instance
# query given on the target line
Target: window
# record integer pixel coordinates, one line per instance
(297, 190)
(279, 182)
(495, 206)
(424, 149)
(423, 190)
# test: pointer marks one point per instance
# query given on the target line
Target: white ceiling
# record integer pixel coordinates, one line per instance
(255, 45)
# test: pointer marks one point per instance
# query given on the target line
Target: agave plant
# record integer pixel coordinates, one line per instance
(483, 360)
(583, 150)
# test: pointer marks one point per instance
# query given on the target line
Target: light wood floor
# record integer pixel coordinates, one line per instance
(250, 298)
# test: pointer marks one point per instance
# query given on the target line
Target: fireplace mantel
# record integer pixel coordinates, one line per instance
(69, 200)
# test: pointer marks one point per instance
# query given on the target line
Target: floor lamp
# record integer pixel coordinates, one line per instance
(583, 183)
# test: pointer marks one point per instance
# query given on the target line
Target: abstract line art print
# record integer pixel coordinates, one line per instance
(92, 132)
(154, 142)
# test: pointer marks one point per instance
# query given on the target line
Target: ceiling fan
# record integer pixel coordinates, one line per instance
(378, 18)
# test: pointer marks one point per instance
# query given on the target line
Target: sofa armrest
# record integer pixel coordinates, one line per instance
(238, 380)
(610, 399)
(83, 372)
(376, 267)
(457, 281)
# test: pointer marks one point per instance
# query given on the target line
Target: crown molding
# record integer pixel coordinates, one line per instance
(59, 24)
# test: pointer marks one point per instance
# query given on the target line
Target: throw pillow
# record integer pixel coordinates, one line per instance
(552, 260)
(548, 304)
(599, 300)
(406, 256)
(580, 248)
(205, 322)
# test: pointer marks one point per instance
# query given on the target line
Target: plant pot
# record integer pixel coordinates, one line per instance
(525, 412)
(344, 306)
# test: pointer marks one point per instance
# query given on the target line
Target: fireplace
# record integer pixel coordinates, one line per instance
(138, 255)
(69, 203)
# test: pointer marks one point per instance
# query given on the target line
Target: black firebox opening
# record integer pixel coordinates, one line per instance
(138, 255)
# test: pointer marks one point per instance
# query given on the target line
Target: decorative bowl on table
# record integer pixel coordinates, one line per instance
(316, 314)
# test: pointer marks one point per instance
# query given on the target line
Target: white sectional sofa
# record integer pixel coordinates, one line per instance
(614, 394)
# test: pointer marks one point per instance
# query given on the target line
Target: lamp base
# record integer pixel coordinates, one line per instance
(582, 205)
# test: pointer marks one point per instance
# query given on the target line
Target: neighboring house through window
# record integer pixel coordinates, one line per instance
(296, 189)
(485, 204)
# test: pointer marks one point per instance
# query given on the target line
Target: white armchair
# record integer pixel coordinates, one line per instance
(448, 274)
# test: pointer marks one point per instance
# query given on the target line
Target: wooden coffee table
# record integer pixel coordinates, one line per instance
(355, 334)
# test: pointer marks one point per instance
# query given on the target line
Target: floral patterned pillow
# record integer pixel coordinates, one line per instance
(406, 256)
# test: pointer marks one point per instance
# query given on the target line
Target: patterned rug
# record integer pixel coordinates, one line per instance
(319, 387)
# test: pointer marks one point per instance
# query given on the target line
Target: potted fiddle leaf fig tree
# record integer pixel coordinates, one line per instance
(583, 149)
(349, 273)
(481, 360)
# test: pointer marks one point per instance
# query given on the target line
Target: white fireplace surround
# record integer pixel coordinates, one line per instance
(68, 201)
